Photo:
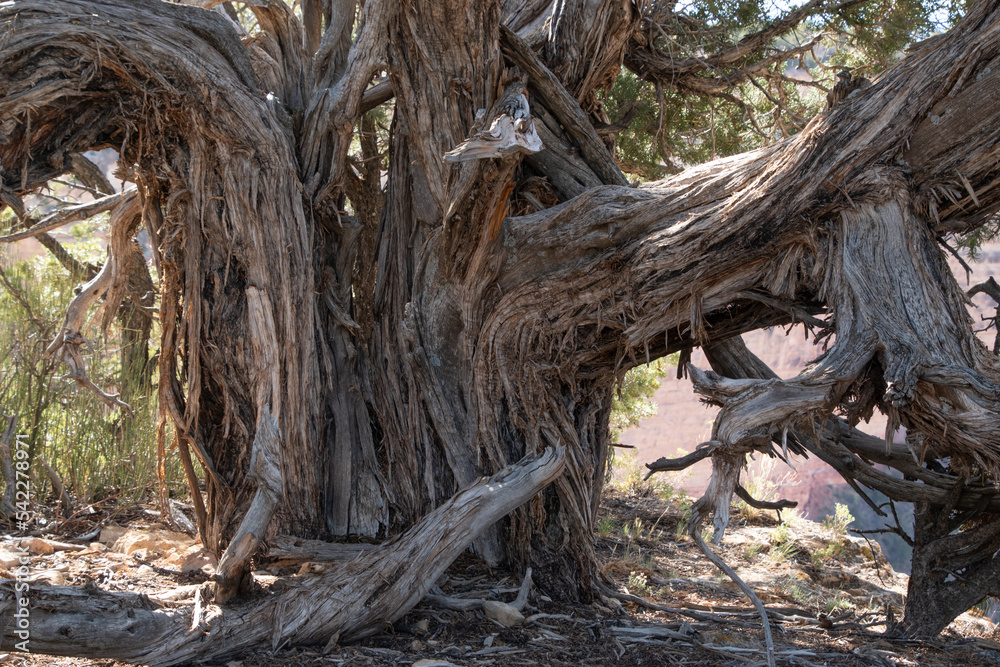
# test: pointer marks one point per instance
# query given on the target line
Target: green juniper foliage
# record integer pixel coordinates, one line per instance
(706, 104)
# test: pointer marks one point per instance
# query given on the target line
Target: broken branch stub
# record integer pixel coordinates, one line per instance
(109, 282)
(511, 130)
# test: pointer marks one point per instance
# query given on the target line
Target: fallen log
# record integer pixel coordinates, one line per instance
(341, 604)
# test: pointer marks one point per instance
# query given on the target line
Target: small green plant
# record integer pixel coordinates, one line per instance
(839, 603)
(791, 587)
(753, 551)
(629, 477)
(782, 545)
(779, 534)
(633, 530)
(782, 552)
(639, 584)
(840, 520)
(831, 551)
(664, 491)
(605, 527)
(682, 523)
(628, 472)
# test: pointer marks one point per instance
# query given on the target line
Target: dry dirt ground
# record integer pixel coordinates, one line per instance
(828, 596)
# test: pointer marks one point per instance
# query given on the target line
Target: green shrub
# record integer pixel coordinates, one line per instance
(840, 520)
(97, 451)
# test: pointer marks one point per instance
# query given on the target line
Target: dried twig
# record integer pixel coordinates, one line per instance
(70, 214)
(694, 529)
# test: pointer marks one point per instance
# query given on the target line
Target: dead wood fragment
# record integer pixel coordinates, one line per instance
(504, 613)
(702, 451)
(233, 573)
(522, 593)
(778, 505)
(453, 603)
(69, 214)
(511, 130)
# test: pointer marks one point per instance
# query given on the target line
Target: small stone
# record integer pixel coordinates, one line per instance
(416, 646)
(9, 560)
(38, 547)
(161, 541)
(502, 613)
(111, 533)
(193, 559)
